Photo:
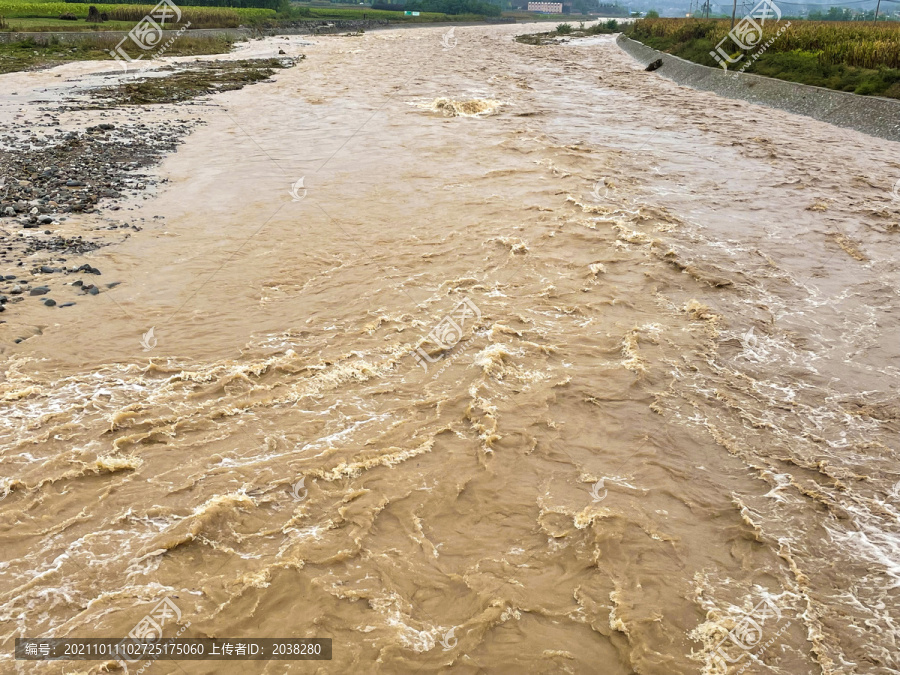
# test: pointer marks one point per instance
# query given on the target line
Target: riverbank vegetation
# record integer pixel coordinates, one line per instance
(75, 15)
(567, 30)
(847, 56)
(28, 54)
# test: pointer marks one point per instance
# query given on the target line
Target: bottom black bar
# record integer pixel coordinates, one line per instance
(174, 649)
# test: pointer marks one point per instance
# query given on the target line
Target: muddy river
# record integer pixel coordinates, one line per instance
(472, 356)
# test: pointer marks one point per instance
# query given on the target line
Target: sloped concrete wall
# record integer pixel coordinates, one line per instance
(872, 115)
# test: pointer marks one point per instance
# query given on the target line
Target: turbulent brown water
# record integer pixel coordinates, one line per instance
(674, 397)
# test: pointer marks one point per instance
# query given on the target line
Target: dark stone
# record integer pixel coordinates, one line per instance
(45, 220)
(74, 183)
(78, 283)
(50, 302)
(94, 291)
(67, 304)
(46, 269)
(40, 290)
(654, 66)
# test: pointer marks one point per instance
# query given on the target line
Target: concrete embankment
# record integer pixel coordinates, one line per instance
(869, 114)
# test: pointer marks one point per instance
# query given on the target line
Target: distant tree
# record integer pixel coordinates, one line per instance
(652, 14)
(833, 14)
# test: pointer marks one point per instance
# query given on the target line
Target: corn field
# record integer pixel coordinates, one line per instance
(199, 17)
(849, 43)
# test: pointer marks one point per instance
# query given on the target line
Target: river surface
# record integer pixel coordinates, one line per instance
(652, 426)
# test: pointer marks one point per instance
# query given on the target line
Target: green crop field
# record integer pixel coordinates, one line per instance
(846, 55)
(852, 43)
(199, 17)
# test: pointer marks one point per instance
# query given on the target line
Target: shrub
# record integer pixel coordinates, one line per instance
(564, 29)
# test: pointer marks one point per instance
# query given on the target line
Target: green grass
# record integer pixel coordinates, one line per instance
(200, 17)
(297, 13)
(39, 25)
(28, 55)
(569, 31)
(348, 13)
(691, 43)
(805, 68)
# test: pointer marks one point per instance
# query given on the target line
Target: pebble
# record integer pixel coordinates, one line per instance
(40, 290)
(50, 302)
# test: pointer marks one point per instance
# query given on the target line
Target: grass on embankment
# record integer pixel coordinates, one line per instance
(29, 55)
(42, 25)
(299, 14)
(199, 17)
(846, 56)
